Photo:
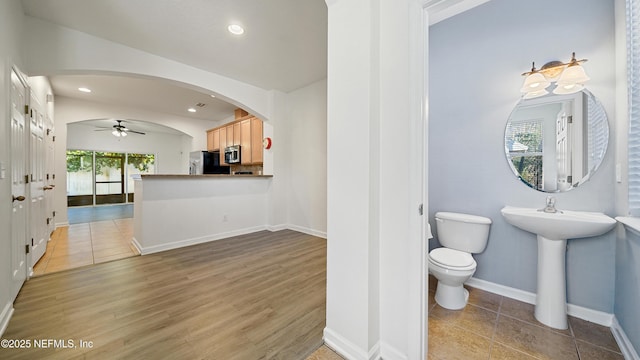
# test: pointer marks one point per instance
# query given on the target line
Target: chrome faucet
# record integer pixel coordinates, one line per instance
(551, 205)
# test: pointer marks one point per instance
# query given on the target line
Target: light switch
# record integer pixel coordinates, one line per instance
(618, 173)
(3, 171)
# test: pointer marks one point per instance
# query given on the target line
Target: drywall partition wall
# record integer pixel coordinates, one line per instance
(306, 130)
(374, 180)
(476, 59)
(352, 325)
(11, 16)
(53, 49)
(173, 211)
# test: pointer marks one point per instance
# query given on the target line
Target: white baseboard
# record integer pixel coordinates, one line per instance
(346, 348)
(277, 227)
(213, 237)
(305, 230)
(136, 244)
(5, 316)
(594, 316)
(61, 224)
(625, 345)
(388, 352)
(194, 241)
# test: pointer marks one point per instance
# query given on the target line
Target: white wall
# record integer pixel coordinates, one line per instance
(374, 179)
(306, 130)
(475, 65)
(196, 210)
(172, 150)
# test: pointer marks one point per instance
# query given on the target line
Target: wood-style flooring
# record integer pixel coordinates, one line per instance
(256, 296)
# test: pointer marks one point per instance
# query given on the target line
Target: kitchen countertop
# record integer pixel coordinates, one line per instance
(187, 176)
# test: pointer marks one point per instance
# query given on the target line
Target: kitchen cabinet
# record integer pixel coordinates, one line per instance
(236, 133)
(229, 134)
(248, 133)
(213, 140)
(216, 139)
(210, 140)
(223, 144)
(245, 141)
(256, 141)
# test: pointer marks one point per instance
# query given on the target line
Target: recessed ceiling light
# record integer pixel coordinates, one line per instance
(84, 89)
(191, 110)
(236, 29)
(213, 96)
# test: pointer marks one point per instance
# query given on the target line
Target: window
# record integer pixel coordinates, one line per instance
(633, 73)
(524, 146)
(95, 178)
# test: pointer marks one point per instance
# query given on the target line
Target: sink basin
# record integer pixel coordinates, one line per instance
(553, 230)
(560, 225)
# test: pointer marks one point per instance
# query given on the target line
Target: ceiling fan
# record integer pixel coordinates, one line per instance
(120, 130)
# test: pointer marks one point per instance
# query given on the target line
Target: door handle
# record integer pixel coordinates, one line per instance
(19, 198)
(47, 188)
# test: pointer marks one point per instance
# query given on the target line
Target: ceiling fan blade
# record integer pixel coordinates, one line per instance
(136, 132)
(103, 129)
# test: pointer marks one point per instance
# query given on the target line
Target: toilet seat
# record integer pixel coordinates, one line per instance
(452, 259)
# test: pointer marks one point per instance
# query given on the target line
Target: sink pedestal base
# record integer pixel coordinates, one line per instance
(551, 298)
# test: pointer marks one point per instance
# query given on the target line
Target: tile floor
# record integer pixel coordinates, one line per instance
(87, 243)
(495, 327)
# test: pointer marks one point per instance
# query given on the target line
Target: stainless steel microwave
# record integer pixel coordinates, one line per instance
(232, 154)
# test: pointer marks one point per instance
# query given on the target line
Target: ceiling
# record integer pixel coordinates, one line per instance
(142, 93)
(284, 46)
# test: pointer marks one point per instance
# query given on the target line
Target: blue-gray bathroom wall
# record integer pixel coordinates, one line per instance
(475, 62)
(628, 286)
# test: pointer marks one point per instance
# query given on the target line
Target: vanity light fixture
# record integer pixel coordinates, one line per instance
(569, 78)
(192, 110)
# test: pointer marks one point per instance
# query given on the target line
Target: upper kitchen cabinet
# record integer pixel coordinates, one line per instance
(213, 139)
(247, 131)
(223, 144)
(236, 133)
(251, 141)
(256, 141)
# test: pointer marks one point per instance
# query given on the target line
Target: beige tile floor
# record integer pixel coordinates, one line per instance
(495, 327)
(85, 244)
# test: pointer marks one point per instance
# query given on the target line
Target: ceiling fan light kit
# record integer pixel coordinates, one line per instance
(120, 130)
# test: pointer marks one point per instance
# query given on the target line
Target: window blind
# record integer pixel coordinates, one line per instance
(633, 73)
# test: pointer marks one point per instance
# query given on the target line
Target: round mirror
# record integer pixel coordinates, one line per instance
(556, 142)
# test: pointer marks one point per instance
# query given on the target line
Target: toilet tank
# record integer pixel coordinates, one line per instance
(463, 232)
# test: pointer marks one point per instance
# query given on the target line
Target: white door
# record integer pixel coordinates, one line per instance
(37, 206)
(18, 183)
(49, 177)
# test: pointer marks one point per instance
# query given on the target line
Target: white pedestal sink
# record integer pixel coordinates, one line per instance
(553, 230)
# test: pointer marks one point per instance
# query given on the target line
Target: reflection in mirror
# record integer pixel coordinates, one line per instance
(556, 142)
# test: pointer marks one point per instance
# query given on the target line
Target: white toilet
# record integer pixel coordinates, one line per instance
(452, 265)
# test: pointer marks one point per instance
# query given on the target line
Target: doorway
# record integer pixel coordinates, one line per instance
(102, 178)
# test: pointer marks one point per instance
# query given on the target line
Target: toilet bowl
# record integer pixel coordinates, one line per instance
(452, 265)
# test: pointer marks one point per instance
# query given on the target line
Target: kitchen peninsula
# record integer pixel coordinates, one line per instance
(178, 210)
(173, 211)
